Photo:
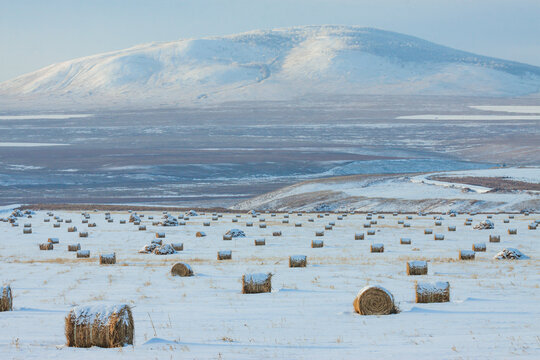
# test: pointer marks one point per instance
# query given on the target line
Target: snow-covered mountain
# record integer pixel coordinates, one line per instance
(275, 64)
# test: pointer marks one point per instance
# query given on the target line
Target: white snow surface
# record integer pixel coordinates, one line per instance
(492, 314)
(273, 65)
(403, 193)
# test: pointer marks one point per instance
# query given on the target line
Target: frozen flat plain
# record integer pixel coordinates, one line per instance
(493, 312)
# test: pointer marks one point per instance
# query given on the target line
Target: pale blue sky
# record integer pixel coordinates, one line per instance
(37, 33)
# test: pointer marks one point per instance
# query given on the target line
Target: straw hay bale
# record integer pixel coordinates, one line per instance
(438, 237)
(367, 225)
(377, 248)
(311, 220)
(374, 300)
(224, 255)
(405, 241)
(409, 217)
(83, 254)
(234, 220)
(256, 283)
(160, 235)
(432, 293)
(494, 238)
(297, 261)
(104, 326)
(512, 231)
(262, 225)
(142, 227)
(74, 247)
(165, 249)
(428, 231)
(298, 224)
(285, 221)
(506, 221)
(451, 228)
(276, 233)
(417, 267)
(206, 223)
(72, 229)
(319, 233)
(181, 269)
(532, 226)
(46, 220)
(200, 234)
(359, 236)
(68, 221)
(227, 237)
(27, 230)
(317, 243)
(371, 232)
(400, 222)
(373, 222)
(92, 225)
(260, 242)
(406, 225)
(328, 227)
(6, 298)
(178, 246)
(466, 255)
(479, 247)
(83, 234)
(46, 246)
(467, 223)
(84, 221)
(249, 224)
(107, 259)
(27, 225)
(53, 240)
(510, 254)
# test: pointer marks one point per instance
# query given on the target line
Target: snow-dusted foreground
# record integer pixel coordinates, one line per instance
(493, 312)
(404, 193)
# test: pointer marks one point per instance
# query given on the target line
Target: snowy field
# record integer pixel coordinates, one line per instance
(493, 311)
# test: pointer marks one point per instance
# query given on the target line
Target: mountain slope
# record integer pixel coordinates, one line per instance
(276, 64)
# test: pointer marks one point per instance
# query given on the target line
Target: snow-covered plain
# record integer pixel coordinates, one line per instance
(309, 314)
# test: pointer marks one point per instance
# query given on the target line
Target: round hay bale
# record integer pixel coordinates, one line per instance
(160, 235)
(319, 233)
(377, 248)
(74, 247)
(104, 326)
(46, 246)
(430, 293)
(224, 255)
(178, 246)
(27, 230)
(181, 269)
(359, 236)
(512, 231)
(142, 228)
(6, 298)
(107, 259)
(81, 254)
(53, 240)
(297, 261)
(276, 233)
(428, 231)
(374, 300)
(417, 267)
(494, 238)
(371, 232)
(260, 242)
(206, 223)
(200, 234)
(479, 247)
(451, 228)
(438, 237)
(405, 241)
(72, 229)
(317, 243)
(83, 234)
(466, 255)
(249, 224)
(256, 283)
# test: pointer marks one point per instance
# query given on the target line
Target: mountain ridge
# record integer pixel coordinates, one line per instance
(276, 64)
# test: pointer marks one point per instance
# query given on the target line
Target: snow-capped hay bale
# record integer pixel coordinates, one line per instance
(506, 221)
(319, 233)
(122, 221)
(142, 228)
(466, 254)
(494, 238)
(165, 249)
(227, 237)
(311, 220)
(297, 261)
(432, 293)
(104, 326)
(405, 241)
(74, 247)
(27, 230)
(377, 248)
(68, 221)
(298, 224)
(27, 225)
(249, 224)
(181, 269)
(532, 226)
(224, 255)
(486, 224)
(46, 220)
(317, 243)
(406, 225)
(72, 229)
(107, 259)
(417, 267)
(260, 242)
(56, 225)
(328, 227)
(438, 237)
(262, 225)
(428, 231)
(81, 254)
(451, 228)
(371, 232)
(178, 246)
(160, 235)
(479, 247)
(83, 234)
(234, 220)
(510, 254)
(276, 233)
(512, 231)
(206, 223)
(438, 223)
(200, 234)
(374, 300)
(6, 298)
(359, 236)
(285, 221)
(53, 240)
(256, 283)
(400, 222)
(46, 246)
(367, 225)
